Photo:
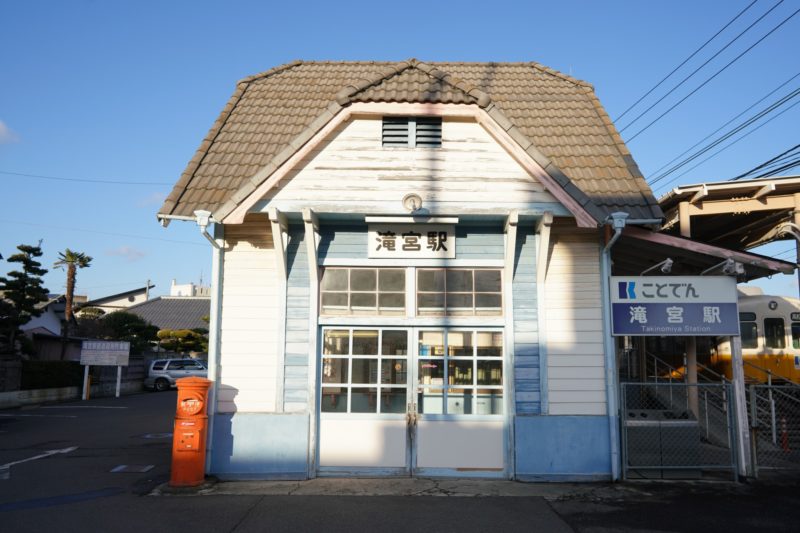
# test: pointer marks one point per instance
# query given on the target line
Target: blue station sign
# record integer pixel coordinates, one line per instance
(694, 306)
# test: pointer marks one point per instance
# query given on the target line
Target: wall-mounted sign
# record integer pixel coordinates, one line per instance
(105, 353)
(694, 306)
(411, 241)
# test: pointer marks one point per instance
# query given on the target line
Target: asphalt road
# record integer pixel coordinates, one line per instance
(72, 488)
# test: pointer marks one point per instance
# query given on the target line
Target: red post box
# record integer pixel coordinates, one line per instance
(189, 436)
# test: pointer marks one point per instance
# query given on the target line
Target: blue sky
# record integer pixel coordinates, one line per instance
(126, 90)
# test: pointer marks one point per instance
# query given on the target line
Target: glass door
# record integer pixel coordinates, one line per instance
(459, 423)
(364, 398)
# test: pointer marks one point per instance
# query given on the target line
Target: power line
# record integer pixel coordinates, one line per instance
(715, 154)
(84, 180)
(695, 145)
(750, 121)
(83, 230)
(778, 157)
(720, 71)
(695, 71)
(657, 85)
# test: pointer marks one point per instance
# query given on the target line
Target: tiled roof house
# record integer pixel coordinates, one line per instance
(409, 271)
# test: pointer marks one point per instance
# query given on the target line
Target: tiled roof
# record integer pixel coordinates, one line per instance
(180, 312)
(557, 119)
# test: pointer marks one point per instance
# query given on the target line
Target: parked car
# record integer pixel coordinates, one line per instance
(162, 373)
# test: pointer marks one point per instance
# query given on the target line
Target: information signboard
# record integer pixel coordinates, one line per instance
(694, 306)
(411, 241)
(105, 353)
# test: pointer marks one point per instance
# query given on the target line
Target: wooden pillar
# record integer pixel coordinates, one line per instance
(691, 342)
(740, 409)
(796, 220)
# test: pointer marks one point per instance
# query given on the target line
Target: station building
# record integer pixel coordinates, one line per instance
(409, 271)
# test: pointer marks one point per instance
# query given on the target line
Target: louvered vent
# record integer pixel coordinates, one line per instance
(423, 132)
(395, 131)
(429, 132)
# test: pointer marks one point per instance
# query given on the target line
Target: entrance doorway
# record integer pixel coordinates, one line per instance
(412, 401)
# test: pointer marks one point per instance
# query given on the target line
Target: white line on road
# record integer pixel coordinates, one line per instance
(83, 407)
(6, 468)
(40, 416)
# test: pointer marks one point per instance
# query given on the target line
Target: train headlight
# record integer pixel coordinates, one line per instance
(773, 305)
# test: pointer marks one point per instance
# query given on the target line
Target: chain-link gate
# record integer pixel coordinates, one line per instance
(774, 415)
(677, 430)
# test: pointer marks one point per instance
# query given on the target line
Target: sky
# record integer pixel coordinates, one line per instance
(126, 90)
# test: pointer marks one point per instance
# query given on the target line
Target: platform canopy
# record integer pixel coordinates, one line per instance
(735, 214)
(640, 251)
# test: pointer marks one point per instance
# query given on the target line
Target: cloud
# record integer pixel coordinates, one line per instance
(7, 135)
(128, 252)
(156, 198)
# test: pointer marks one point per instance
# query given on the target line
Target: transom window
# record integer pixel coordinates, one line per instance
(364, 371)
(460, 372)
(459, 292)
(363, 291)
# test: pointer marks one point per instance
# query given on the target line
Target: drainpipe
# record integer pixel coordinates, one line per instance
(203, 219)
(618, 221)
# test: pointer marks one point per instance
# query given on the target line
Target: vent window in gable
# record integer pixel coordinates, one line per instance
(412, 132)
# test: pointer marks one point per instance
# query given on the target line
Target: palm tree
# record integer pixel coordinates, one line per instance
(72, 261)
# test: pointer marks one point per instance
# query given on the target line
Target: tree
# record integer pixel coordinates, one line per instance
(72, 261)
(21, 292)
(123, 326)
(183, 340)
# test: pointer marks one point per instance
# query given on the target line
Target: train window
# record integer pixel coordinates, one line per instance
(749, 334)
(774, 333)
(795, 335)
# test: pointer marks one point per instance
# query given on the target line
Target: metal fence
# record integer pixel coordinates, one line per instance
(774, 413)
(677, 430)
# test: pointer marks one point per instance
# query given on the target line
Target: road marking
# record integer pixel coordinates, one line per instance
(138, 469)
(83, 407)
(5, 470)
(39, 416)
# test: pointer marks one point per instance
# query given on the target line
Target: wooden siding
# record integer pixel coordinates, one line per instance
(352, 170)
(350, 242)
(295, 381)
(249, 328)
(574, 321)
(526, 325)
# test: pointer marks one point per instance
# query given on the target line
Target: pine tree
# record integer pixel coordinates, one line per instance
(20, 292)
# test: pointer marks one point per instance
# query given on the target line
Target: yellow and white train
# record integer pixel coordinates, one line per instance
(770, 333)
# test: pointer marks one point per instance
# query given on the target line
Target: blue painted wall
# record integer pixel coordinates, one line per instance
(527, 385)
(260, 446)
(295, 385)
(562, 448)
(350, 242)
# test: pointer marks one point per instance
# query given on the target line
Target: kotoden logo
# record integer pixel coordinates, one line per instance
(626, 290)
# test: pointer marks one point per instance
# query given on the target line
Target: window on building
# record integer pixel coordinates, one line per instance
(774, 333)
(459, 292)
(364, 371)
(363, 291)
(412, 132)
(460, 372)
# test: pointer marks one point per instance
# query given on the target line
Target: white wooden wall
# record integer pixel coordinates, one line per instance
(249, 324)
(352, 169)
(574, 321)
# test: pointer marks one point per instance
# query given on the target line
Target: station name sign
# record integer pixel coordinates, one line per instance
(105, 353)
(694, 306)
(411, 241)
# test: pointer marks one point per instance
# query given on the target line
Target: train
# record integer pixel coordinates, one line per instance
(770, 334)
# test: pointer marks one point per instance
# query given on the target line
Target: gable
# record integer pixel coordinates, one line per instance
(351, 171)
(273, 115)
